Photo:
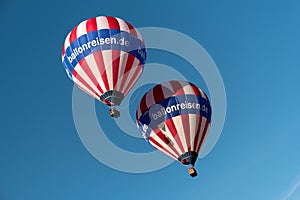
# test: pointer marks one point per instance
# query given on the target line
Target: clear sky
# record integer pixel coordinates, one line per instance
(256, 46)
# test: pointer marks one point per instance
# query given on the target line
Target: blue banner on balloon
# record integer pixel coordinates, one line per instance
(104, 39)
(174, 106)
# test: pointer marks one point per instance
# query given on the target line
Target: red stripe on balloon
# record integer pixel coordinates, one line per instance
(196, 90)
(73, 35)
(177, 87)
(205, 131)
(158, 93)
(162, 136)
(196, 139)
(80, 79)
(160, 147)
(63, 50)
(186, 129)
(143, 105)
(86, 68)
(113, 23)
(115, 66)
(171, 126)
(101, 67)
(91, 25)
(137, 73)
(128, 67)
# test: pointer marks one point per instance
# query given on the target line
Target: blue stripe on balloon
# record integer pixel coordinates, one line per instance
(91, 36)
(114, 32)
(69, 68)
(104, 33)
(145, 131)
(78, 57)
(84, 42)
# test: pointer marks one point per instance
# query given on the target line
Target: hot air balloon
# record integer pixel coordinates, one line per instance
(174, 117)
(104, 56)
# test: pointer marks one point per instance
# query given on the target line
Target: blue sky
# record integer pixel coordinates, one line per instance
(255, 45)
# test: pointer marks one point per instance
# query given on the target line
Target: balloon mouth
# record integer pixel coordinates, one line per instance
(114, 97)
(188, 158)
(185, 161)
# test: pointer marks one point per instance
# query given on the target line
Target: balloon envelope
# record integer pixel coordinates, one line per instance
(174, 117)
(104, 56)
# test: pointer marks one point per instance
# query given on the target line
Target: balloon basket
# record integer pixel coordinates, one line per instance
(192, 172)
(114, 113)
